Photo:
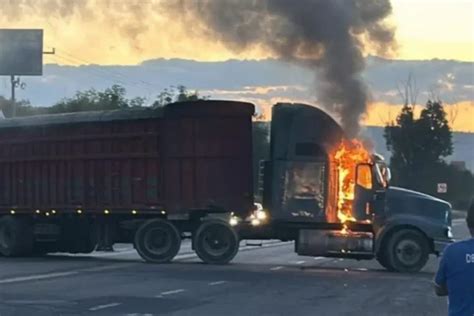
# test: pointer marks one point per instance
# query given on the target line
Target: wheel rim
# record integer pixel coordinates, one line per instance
(216, 241)
(158, 241)
(408, 252)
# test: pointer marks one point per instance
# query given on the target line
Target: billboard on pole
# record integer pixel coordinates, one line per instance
(21, 52)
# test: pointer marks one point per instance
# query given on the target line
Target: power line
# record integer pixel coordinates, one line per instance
(120, 77)
(113, 72)
(90, 71)
(96, 72)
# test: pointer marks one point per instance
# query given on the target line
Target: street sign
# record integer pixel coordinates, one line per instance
(442, 188)
(21, 52)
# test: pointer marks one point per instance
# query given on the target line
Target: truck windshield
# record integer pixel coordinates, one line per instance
(304, 183)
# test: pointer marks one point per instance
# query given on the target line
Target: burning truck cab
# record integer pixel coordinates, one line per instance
(330, 195)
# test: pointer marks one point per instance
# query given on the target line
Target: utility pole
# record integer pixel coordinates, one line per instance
(15, 82)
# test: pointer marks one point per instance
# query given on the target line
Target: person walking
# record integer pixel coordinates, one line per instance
(455, 276)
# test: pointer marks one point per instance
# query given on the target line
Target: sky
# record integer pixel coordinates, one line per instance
(100, 33)
(441, 29)
(426, 29)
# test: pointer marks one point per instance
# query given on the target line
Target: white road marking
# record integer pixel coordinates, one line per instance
(38, 277)
(39, 302)
(188, 254)
(108, 267)
(184, 256)
(241, 249)
(276, 268)
(217, 283)
(172, 292)
(46, 276)
(112, 254)
(99, 307)
(300, 262)
(318, 258)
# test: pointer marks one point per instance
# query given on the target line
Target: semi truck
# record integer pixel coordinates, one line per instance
(153, 177)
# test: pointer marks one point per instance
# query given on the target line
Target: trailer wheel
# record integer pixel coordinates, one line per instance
(215, 242)
(407, 251)
(16, 237)
(157, 241)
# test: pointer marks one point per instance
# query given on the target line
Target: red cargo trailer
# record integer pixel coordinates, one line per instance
(146, 176)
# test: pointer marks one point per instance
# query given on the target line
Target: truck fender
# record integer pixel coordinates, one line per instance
(396, 222)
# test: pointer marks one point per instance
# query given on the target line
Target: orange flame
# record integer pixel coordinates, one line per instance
(346, 156)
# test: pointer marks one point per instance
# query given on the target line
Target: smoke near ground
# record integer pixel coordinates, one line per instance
(330, 36)
(327, 36)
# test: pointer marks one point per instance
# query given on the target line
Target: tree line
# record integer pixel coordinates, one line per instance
(112, 98)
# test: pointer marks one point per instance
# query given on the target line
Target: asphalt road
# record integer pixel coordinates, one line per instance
(266, 280)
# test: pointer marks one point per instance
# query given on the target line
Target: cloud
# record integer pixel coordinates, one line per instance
(460, 115)
(263, 82)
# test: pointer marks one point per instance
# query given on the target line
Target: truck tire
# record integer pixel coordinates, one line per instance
(16, 237)
(407, 251)
(216, 242)
(157, 241)
(381, 257)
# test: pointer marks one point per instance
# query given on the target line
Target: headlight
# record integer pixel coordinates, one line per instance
(258, 216)
(261, 215)
(255, 222)
(234, 220)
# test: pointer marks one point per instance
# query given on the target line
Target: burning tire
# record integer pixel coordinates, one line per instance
(215, 242)
(157, 241)
(407, 251)
(16, 237)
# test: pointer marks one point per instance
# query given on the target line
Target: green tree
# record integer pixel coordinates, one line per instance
(178, 94)
(419, 146)
(112, 98)
(400, 142)
(434, 133)
(23, 108)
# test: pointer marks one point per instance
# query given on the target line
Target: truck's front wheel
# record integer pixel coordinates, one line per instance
(157, 241)
(383, 260)
(16, 237)
(216, 242)
(407, 251)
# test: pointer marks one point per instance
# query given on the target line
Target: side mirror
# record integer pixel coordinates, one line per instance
(388, 175)
(364, 176)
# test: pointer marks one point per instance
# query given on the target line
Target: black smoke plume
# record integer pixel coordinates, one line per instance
(329, 36)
